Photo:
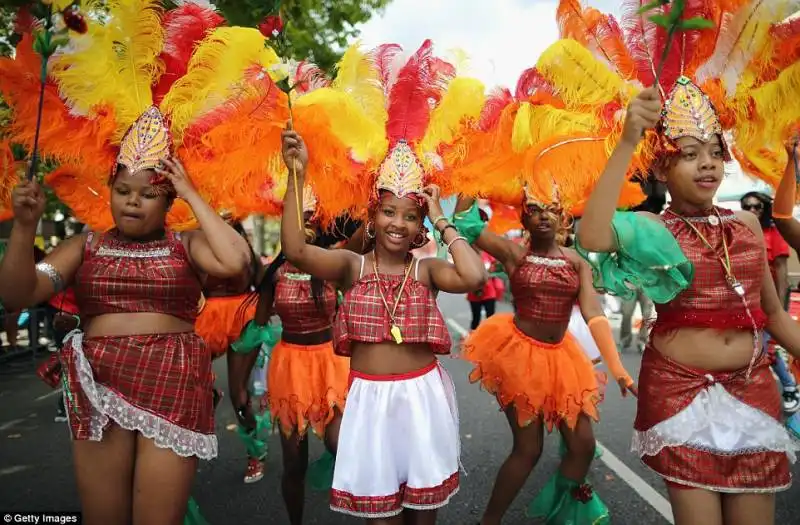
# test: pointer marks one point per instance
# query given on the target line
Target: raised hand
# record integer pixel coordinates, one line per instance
(643, 113)
(28, 202)
(294, 151)
(174, 171)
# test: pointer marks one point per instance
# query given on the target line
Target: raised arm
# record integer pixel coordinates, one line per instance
(328, 265)
(466, 273)
(216, 249)
(507, 252)
(599, 326)
(595, 233)
(23, 283)
(783, 206)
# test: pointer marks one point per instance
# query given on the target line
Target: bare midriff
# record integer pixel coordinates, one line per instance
(551, 333)
(138, 323)
(707, 348)
(389, 358)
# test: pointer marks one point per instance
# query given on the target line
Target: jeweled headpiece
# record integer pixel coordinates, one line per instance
(688, 112)
(309, 200)
(146, 143)
(401, 172)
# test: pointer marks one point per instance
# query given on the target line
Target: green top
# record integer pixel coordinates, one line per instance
(647, 257)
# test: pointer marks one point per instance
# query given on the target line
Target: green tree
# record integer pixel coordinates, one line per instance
(316, 30)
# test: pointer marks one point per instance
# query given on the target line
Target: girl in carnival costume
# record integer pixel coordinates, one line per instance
(407, 465)
(307, 382)
(142, 419)
(705, 267)
(530, 360)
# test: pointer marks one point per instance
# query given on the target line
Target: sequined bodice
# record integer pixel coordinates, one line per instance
(363, 316)
(295, 305)
(545, 289)
(710, 300)
(123, 277)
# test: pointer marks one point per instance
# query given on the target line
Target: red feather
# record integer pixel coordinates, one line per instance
(184, 28)
(383, 57)
(497, 100)
(685, 43)
(641, 38)
(530, 82)
(787, 49)
(419, 86)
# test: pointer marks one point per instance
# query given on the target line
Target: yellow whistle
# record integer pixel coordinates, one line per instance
(398, 337)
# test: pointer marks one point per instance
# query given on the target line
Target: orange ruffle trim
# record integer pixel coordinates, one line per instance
(218, 323)
(554, 381)
(305, 386)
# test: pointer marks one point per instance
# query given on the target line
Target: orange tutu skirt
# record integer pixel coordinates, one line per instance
(554, 381)
(218, 323)
(304, 386)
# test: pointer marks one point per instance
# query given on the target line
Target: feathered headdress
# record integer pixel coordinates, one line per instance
(522, 151)
(394, 115)
(738, 78)
(140, 79)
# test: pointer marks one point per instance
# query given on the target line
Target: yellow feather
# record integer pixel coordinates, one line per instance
(534, 124)
(461, 103)
(521, 136)
(115, 62)
(216, 74)
(582, 79)
(358, 77)
(349, 122)
(778, 105)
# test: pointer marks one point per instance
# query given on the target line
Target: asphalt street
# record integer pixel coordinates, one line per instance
(36, 466)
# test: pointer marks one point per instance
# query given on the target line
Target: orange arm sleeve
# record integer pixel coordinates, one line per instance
(601, 332)
(783, 205)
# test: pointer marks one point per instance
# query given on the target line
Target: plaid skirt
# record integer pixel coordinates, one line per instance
(159, 385)
(717, 431)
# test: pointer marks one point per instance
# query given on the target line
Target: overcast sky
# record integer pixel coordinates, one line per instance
(501, 37)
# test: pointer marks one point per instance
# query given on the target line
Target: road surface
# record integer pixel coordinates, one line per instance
(36, 468)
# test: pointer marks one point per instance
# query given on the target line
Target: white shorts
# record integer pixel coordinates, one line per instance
(580, 331)
(399, 444)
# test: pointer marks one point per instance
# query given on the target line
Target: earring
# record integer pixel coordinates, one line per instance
(370, 230)
(420, 239)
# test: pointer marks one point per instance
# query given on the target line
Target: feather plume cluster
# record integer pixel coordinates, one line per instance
(555, 132)
(379, 98)
(215, 84)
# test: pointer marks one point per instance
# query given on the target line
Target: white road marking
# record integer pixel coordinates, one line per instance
(645, 491)
(9, 424)
(452, 323)
(49, 394)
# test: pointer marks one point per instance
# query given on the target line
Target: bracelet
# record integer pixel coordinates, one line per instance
(54, 275)
(459, 238)
(437, 219)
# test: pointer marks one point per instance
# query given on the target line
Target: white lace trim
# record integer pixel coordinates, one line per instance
(107, 404)
(718, 423)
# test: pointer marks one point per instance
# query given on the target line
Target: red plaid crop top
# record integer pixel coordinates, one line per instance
(545, 288)
(363, 317)
(294, 302)
(127, 277)
(709, 301)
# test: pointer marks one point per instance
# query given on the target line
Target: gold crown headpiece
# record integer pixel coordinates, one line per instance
(688, 112)
(309, 199)
(146, 143)
(530, 199)
(401, 172)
